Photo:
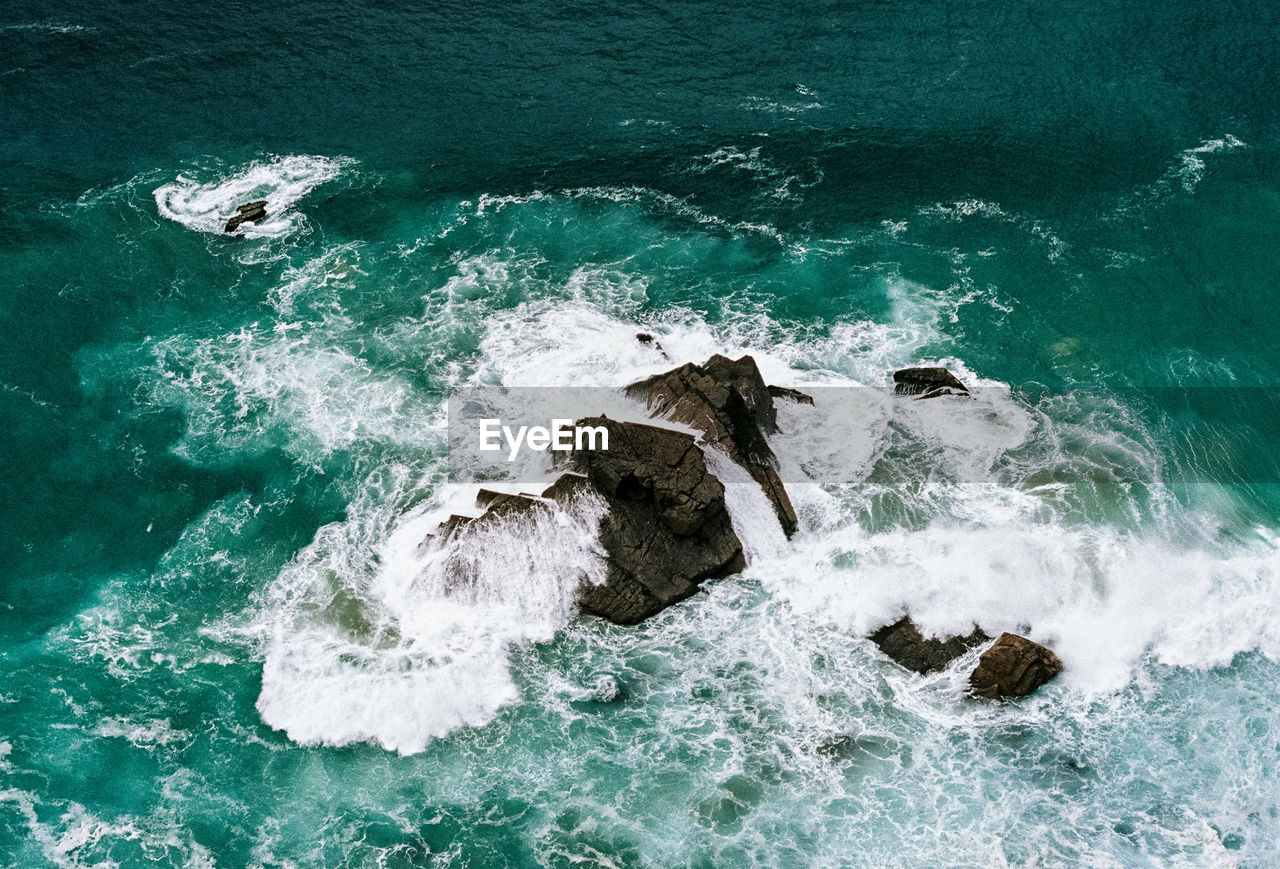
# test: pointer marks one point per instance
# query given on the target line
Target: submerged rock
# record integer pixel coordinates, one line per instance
(667, 528)
(250, 212)
(1013, 667)
(649, 341)
(927, 383)
(727, 400)
(903, 643)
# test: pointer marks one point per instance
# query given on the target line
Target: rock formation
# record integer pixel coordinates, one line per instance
(727, 400)
(791, 394)
(250, 212)
(649, 341)
(903, 642)
(1013, 667)
(927, 383)
(667, 528)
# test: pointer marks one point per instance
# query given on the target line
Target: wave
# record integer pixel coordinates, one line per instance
(206, 207)
(374, 634)
(1183, 176)
(51, 27)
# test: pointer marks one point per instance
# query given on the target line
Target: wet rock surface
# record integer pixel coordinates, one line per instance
(727, 400)
(788, 394)
(667, 528)
(927, 382)
(250, 212)
(902, 642)
(1013, 667)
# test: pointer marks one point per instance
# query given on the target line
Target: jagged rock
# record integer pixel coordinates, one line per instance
(903, 642)
(250, 212)
(727, 400)
(567, 486)
(451, 525)
(927, 383)
(790, 394)
(505, 504)
(1013, 667)
(667, 528)
(499, 505)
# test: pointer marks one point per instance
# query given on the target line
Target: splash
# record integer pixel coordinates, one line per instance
(206, 207)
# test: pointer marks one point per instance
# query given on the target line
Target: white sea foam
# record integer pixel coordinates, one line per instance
(375, 633)
(57, 27)
(78, 839)
(282, 182)
(1183, 176)
(1102, 599)
(754, 519)
(147, 735)
(1052, 244)
(236, 388)
(1190, 166)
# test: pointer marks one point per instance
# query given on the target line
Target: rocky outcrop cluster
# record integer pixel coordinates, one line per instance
(666, 528)
(1012, 666)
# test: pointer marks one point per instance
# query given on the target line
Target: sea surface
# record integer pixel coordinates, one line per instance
(221, 643)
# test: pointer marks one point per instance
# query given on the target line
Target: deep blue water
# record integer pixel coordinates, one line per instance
(221, 643)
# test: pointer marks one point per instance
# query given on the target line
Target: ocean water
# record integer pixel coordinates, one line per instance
(221, 640)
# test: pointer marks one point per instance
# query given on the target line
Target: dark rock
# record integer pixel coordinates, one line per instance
(790, 394)
(250, 212)
(566, 487)
(927, 383)
(451, 525)
(667, 528)
(903, 642)
(504, 504)
(648, 340)
(499, 505)
(485, 497)
(727, 400)
(1013, 667)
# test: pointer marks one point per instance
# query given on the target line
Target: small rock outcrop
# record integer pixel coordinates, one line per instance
(667, 528)
(649, 341)
(250, 212)
(498, 505)
(727, 400)
(790, 394)
(927, 383)
(1013, 667)
(903, 643)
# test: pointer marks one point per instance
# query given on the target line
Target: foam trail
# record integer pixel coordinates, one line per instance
(282, 182)
(753, 517)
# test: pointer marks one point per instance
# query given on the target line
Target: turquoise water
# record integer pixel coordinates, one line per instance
(221, 643)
